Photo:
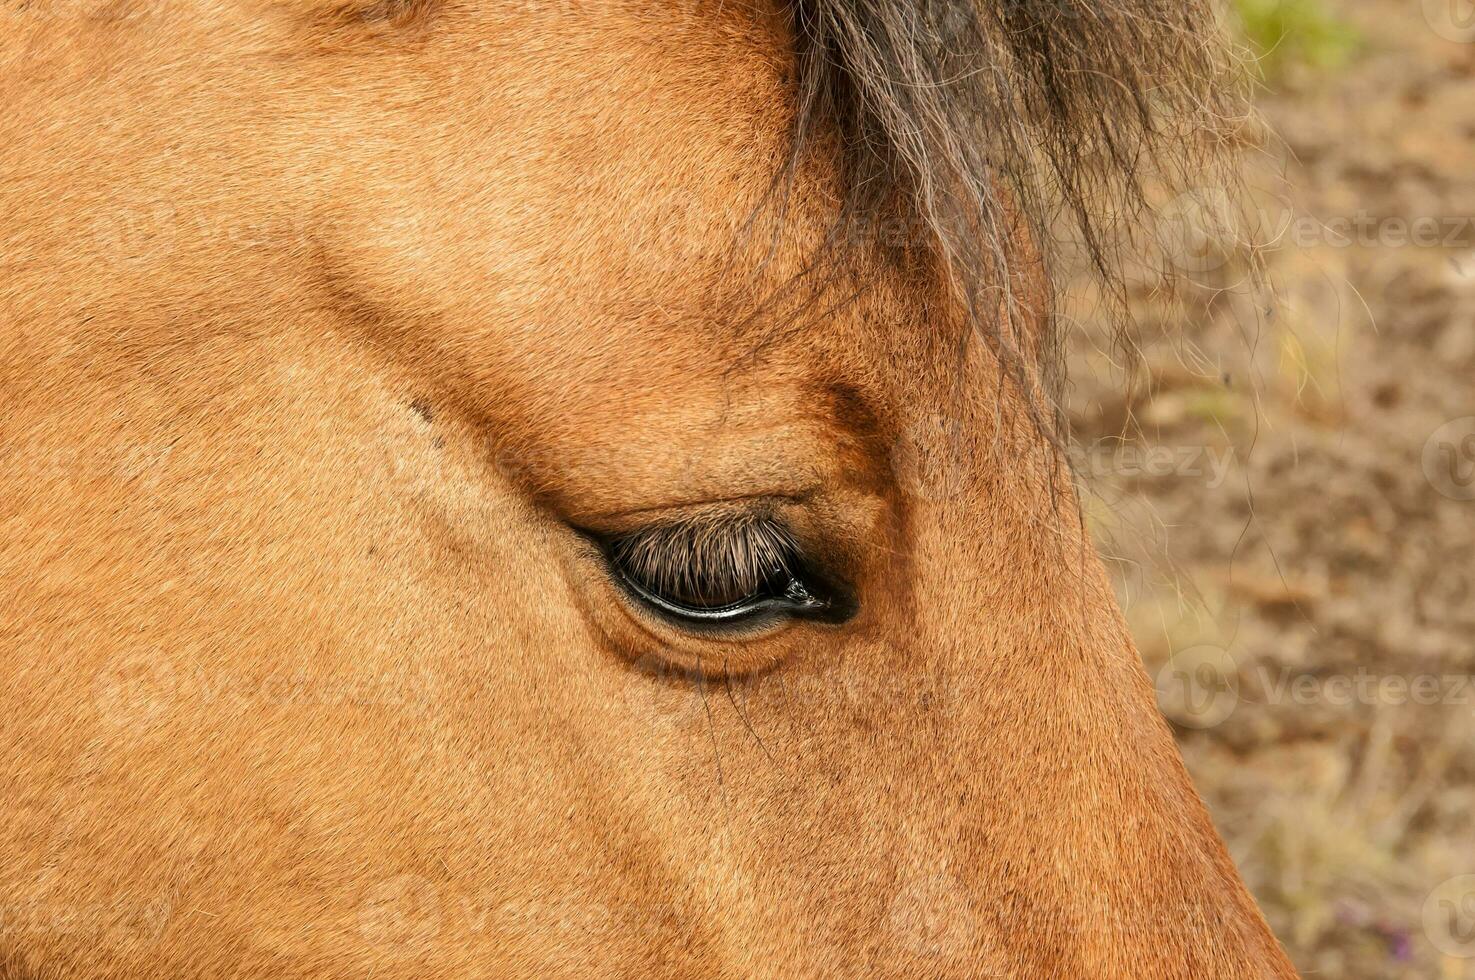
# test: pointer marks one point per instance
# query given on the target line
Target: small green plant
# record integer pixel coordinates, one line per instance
(1289, 32)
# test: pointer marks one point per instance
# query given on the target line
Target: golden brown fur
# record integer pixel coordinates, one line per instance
(323, 332)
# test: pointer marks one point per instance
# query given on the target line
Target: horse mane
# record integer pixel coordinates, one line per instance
(973, 116)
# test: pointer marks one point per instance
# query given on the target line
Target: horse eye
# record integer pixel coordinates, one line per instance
(733, 571)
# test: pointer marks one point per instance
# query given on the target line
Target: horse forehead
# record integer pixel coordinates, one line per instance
(600, 240)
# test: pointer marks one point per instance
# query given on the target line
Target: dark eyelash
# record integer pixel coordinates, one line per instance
(709, 563)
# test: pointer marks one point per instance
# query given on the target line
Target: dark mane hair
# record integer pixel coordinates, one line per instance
(973, 116)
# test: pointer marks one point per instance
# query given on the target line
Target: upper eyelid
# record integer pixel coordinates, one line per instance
(629, 521)
(828, 598)
(677, 555)
(795, 599)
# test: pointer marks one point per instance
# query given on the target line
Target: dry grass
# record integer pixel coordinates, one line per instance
(1320, 552)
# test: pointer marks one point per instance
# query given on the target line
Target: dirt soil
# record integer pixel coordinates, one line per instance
(1284, 488)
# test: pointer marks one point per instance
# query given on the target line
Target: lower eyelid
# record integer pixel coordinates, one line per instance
(730, 612)
(798, 603)
(639, 634)
(741, 629)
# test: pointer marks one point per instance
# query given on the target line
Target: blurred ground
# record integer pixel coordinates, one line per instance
(1286, 491)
